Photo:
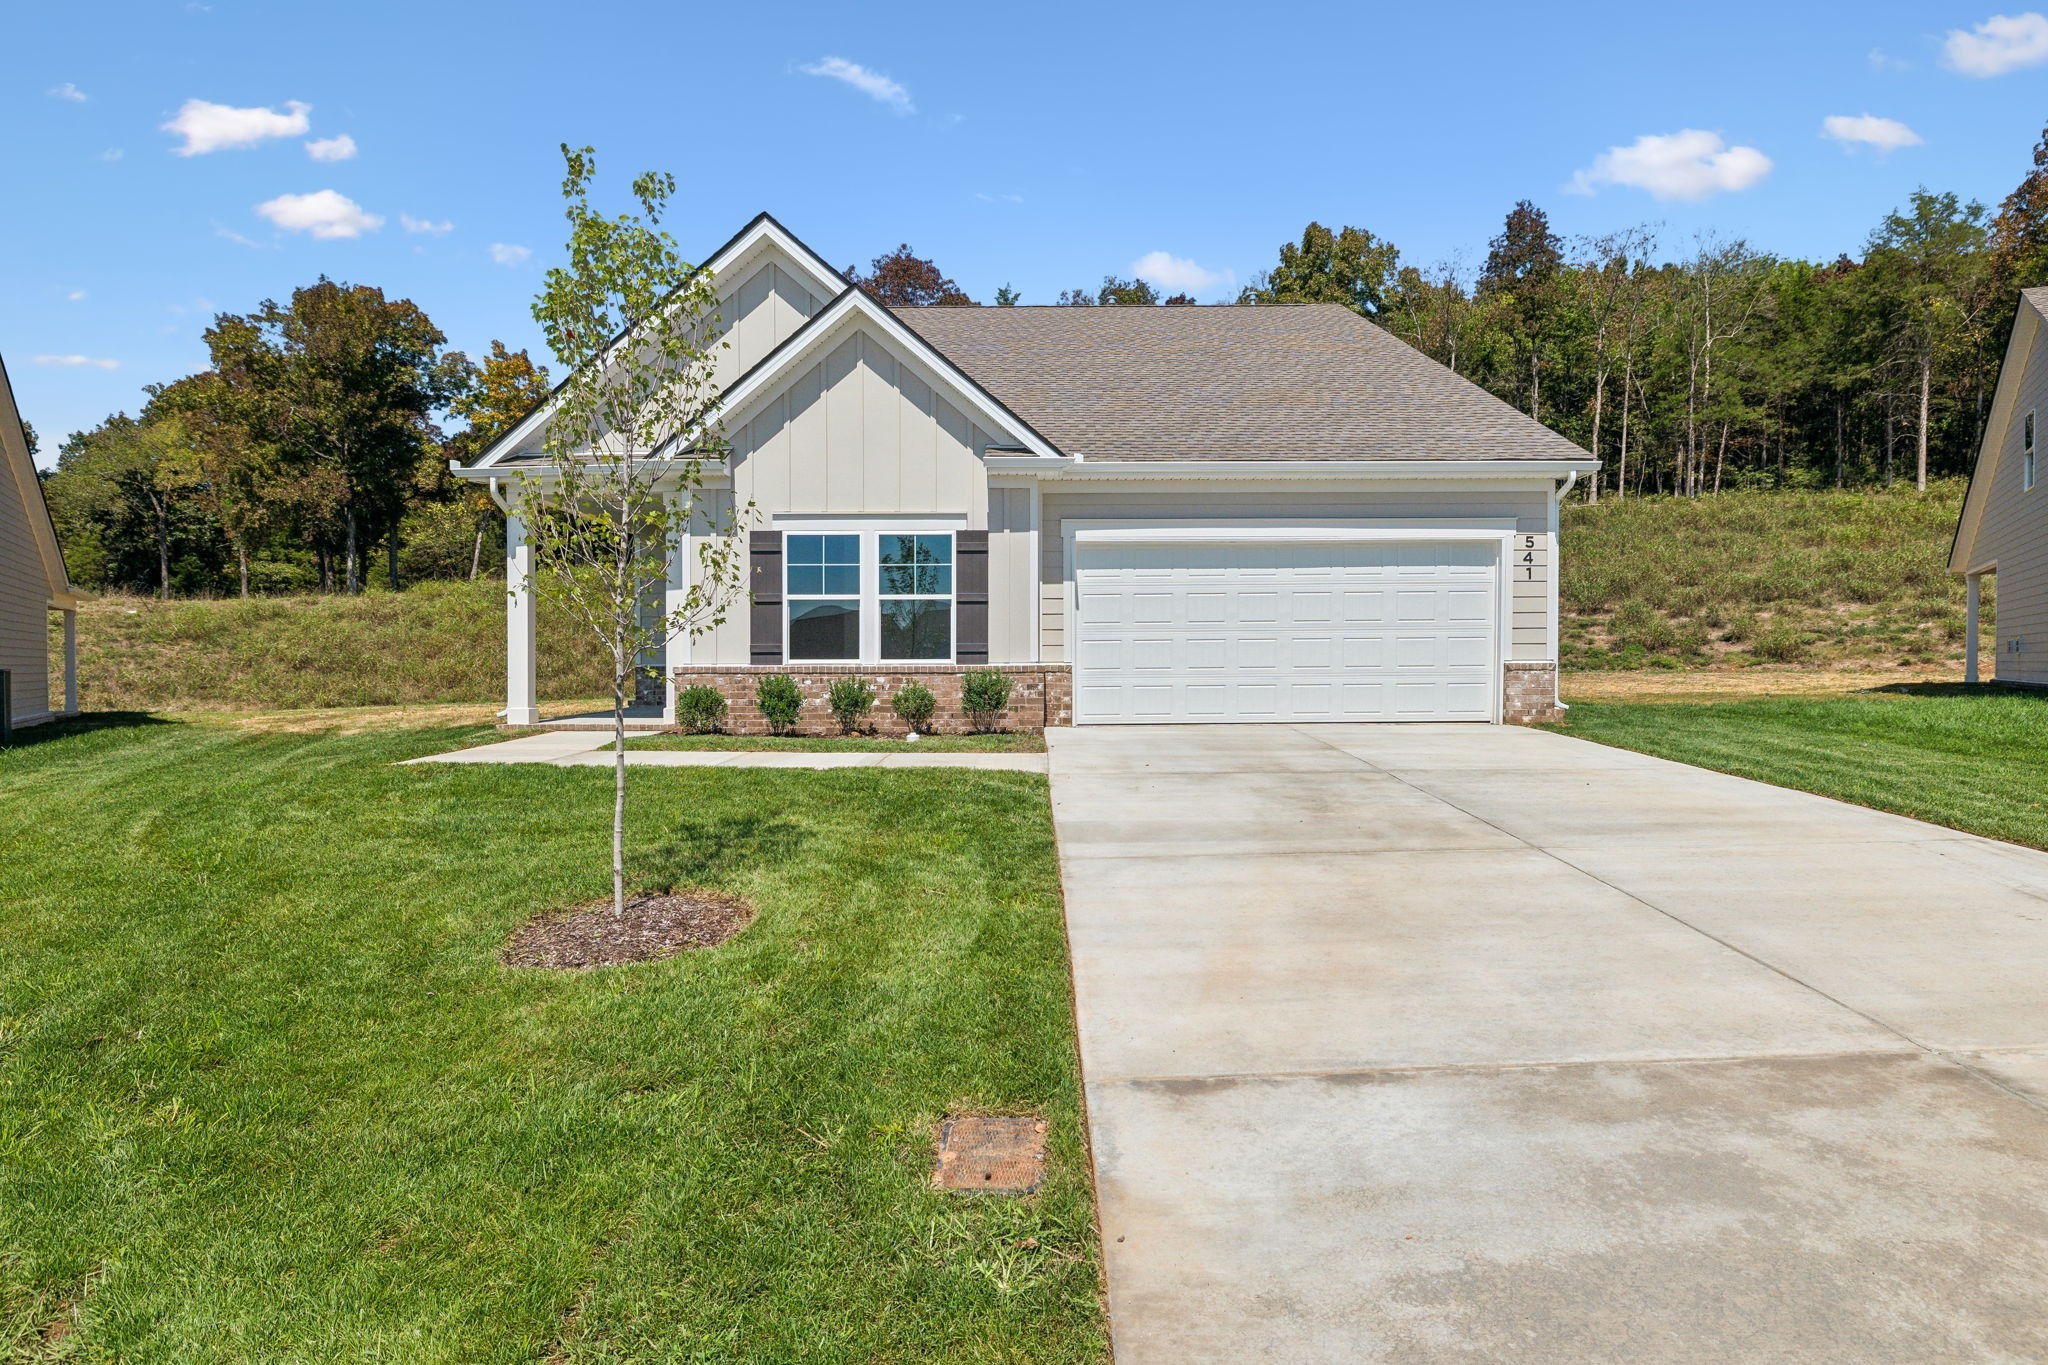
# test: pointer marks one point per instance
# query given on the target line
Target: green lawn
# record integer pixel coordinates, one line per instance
(1971, 758)
(266, 1094)
(859, 744)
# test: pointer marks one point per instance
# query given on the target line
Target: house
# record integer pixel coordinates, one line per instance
(33, 583)
(1141, 514)
(2003, 529)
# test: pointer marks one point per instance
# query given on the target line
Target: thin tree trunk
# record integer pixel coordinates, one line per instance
(394, 551)
(351, 565)
(476, 556)
(163, 548)
(1720, 457)
(1926, 388)
(1599, 400)
(1621, 472)
(242, 563)
(623, 668)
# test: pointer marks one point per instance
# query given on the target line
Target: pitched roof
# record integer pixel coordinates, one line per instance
(1229, 382)
(19, 470)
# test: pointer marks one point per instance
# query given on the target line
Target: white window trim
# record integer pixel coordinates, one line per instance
(870, 527)
(2029, 462)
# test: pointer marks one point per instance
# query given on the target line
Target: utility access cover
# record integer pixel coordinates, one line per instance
(995, 1154)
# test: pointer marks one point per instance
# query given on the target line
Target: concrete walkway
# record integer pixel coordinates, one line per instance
(589, 749)
(1478, 1043)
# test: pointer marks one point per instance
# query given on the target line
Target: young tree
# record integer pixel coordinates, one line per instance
(220, 462)
(630, 432)
(2019, 234)
(1007, 297)
(904, 279)
(1610, 270)
(1521, 277)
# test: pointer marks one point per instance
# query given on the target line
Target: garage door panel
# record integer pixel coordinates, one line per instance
(1285, 631)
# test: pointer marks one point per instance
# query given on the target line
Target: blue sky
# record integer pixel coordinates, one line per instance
(167, 160)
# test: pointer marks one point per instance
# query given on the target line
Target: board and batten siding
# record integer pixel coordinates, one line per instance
(759, 314)
(1529, 507)
(24, 605)
(862, 433)
(2014, 532)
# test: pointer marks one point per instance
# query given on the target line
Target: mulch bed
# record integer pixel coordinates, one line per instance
(653, 927)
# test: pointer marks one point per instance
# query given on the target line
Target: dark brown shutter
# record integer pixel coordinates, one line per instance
(970, 597)
(764, 557)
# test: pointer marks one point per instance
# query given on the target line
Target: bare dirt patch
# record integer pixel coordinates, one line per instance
(1732, 684)
(652, 927)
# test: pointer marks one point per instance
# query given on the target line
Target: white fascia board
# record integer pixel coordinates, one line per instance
(2019, 353)
(1426, 471)
(764, 232)
(854, 308)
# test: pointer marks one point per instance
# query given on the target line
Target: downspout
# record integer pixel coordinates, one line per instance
(1557, 591)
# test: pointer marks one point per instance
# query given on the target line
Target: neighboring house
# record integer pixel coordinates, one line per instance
(33, 584)
(1142, 514)
(2004, 525)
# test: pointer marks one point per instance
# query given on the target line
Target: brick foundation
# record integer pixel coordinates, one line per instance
(1530, 694)
(1041, 695)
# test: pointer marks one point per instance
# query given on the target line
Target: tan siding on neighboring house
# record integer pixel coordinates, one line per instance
(2014, 535)
(1529, 507)
(24, 603)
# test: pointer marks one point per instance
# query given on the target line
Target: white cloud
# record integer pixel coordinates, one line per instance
(327, 214)
(1868, 130)
(873, 84)
(1176, 274)
(1690, 164)
(66, 91)
(72, 362)
(222, 230)
(112, 154)
(2000, 44)
(341, 148)
(426, 225)
(999, 198)
(208, 127)
(504, 253)
(75, 296)
(1880, 60)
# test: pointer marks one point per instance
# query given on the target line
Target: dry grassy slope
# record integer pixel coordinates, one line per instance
(1840, 579)
(437, 642)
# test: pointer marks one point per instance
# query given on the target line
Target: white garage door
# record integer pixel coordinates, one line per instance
(1284, 631)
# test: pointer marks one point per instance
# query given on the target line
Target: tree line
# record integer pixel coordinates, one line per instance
(319, 437)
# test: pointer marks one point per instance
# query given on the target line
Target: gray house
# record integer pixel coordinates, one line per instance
(2004, 526)
(33, 583)
(1142, 514)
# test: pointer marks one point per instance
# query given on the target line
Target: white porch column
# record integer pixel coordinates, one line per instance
(521, 688)
(676, 649)
(1972, 596)
(71, 661)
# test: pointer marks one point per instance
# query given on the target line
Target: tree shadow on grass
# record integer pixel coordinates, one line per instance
(85, 724)
(718, 850)
(1956, 689)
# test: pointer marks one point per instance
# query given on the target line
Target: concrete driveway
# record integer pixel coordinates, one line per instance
(1481, 1043)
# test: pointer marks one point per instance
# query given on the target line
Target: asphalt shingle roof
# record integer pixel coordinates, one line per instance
(1229, 382)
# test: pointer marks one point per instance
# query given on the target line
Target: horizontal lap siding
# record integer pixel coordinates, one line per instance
(2015, 534)
(24, 604)
(1530, 600)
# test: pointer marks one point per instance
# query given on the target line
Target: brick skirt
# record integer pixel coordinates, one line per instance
(1041, 695)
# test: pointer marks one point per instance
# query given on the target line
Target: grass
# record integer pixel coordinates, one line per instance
(433, 642)
(1970, 758)
(266, 1094)
(1005, 743)
(1829, 579)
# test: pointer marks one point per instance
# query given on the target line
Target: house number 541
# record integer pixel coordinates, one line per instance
(1527, 558)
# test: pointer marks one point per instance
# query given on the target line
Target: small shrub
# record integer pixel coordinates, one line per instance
(700, 708)
(914, 703)
(780, 702)
(1742, 627)
(984, 693)
(1638, 623)
(849, 701)
(1780, 644)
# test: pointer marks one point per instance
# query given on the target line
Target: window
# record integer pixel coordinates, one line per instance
(824, 597)
(869, 596)
(2027, 463)
(916, 596)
